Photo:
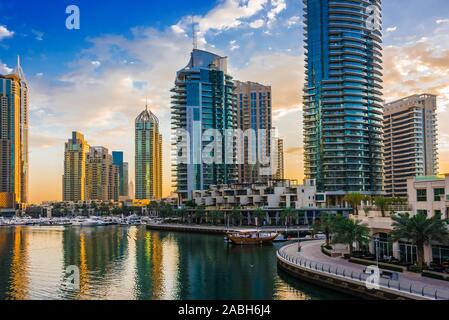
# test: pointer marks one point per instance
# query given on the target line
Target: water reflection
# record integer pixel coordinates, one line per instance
(133, 263)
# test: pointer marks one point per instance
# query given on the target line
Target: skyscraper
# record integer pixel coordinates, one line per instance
(279, 158)
(74, 178)
(203, 107)
(118, 160)
(13, 139)
(343, 105)
(102, 176)
(254, 113)
(411, 146)
(148, 165)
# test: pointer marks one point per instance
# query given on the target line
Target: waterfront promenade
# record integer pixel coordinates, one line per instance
(409, 286)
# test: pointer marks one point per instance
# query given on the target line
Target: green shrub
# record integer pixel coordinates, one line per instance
(415, 269)
(385, 266)
(434, 275)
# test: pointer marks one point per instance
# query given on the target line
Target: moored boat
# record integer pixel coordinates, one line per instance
(251, 237)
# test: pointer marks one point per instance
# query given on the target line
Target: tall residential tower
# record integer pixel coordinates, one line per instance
(13, 139)
(411, 144)
(254, 113)
(74, 178)
(343, 105)
(203, 107)
(148, 166)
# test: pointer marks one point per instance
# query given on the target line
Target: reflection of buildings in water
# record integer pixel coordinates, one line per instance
(97, 252)
(19, 263)
(157, 267)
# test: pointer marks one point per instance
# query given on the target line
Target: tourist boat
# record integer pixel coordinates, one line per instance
(251, 237)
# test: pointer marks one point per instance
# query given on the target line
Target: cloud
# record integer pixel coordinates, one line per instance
(442, 21)
(259, 23)
(228, 14)
(292, 21)
(4, 69)
(233, 45)
(277, 7)
(392, 29)
(38, 35)
(5, 33)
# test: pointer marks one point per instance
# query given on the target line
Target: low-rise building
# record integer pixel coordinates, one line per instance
(429, 195)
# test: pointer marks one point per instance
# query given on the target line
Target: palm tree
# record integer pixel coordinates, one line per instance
(287, 214)
(236, 214)
(325, 224)
(354, 199)
(382, 204)
(260, 215)
(420, 231)
(348, 231)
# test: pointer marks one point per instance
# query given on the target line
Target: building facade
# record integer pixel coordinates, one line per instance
(411, 144)
(74, 178)
(148, 161)
(118, 160)
(202, 109)
(429, 195)
(343, 105)
(254, 114)
(13, 139)
(102, 176)
(279, 159)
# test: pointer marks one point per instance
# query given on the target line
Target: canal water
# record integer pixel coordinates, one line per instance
(134, 263)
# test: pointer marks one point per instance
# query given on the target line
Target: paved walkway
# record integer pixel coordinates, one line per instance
(312, 251)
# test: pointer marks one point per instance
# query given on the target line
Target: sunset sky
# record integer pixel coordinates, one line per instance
(96, 79)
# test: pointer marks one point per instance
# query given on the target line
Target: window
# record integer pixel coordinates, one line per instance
(437, 193)
(421, 195)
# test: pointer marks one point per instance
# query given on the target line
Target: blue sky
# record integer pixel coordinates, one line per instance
(96, 79)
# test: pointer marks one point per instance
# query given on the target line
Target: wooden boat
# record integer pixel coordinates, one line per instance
(251, 237)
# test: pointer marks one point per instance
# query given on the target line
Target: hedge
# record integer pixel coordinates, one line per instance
(435, 275)
(386, 266)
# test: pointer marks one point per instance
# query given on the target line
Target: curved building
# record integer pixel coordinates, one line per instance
(203, 102)
(148, 166)
(343, 104)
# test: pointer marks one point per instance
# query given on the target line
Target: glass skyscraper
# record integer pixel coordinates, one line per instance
(343, 105)
(203, 99)
(13, 139)
(118, 160)
(148, 157)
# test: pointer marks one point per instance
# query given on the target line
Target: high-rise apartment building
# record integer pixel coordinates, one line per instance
(118, 160)
(102, 176)
(148, 166)
(13, 139)
(279, 159)
(343, 104)
(203, 108)
(74, 178)
(411, 143)
(254, 115)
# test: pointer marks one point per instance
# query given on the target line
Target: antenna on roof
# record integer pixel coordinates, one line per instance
(194, 34)
(146, 103)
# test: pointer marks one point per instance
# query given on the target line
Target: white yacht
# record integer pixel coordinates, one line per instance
(87, 222)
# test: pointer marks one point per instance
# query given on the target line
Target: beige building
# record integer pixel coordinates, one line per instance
(102, 176)
(13, 139)
(279, 175)
(74, 178)
(253, 112)
(411, 146)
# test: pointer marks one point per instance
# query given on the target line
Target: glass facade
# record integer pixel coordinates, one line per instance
(343, 105)
(203, 99)
(118, 160)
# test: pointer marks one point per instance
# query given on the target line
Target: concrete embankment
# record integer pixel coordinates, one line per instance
(312, 266)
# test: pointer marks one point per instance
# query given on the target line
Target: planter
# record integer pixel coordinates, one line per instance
(435, 275)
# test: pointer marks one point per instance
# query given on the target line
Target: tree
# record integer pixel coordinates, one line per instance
(420, 230)
(215, 217)
(382, 204)
(236, 214)
(260, 215)
(354, 199)
(348, 231)
(325, 225)
(287, 214)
